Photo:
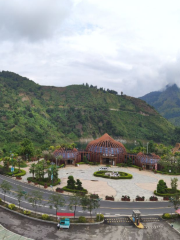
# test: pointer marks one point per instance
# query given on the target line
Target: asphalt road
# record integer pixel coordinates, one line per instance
(106, 207)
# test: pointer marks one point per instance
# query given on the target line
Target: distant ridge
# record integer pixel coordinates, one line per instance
(166, 102)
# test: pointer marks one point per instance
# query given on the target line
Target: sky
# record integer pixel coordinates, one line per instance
(130, 46)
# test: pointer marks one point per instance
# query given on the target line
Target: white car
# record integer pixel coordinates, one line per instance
(103, 169)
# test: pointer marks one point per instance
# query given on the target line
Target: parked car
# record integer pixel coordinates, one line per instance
(64, 223)
(103, 169)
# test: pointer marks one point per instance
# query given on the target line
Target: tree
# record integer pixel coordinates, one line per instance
(175, 200)
(38, 171)
(161, 186)
(74, 200)
(5, 187)
(27, 148)
(32, 169)
(53, 170)
(71, 182)
(89, 203)
(19, 161)
(174, 184)
(6, 162)
(19, 194)
(56, 200)
(38, 154)
(34, 198)
(79, 184)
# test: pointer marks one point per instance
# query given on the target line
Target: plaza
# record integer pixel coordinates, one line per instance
(143, 182)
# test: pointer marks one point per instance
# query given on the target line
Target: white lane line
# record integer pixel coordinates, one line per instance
(80, 211)
(107, 213)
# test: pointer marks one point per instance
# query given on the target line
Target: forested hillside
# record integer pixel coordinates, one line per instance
(166, 102)
(53, 115)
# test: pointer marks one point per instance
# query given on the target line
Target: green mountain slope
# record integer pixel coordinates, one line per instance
(167, 103)
(52, 115)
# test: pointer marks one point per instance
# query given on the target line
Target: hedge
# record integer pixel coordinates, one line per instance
(16, 172)
(167, 173)
(123, 175)
(165, 194)
(81, 163)
(44, 181)
(75, 190)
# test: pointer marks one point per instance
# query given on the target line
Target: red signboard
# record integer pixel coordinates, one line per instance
(65, 214)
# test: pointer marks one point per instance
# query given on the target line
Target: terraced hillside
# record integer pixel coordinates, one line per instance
(52, 115)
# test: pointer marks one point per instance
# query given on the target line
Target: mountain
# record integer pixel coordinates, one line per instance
(53, 115)
(166, 102)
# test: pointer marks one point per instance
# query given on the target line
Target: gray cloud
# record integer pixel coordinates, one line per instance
(32, 20)
(104, 43)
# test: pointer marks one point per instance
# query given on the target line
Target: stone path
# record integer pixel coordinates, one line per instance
(8, 235)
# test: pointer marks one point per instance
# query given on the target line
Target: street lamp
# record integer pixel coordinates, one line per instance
(51, 169)
(12, 167)
(147, 147)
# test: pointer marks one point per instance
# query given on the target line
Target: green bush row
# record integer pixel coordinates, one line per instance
(16, 172)
(168, 173)
(123, 175)
(169, 216)
(75, 190)
(165, 194)
(45, 181)
(81, 163)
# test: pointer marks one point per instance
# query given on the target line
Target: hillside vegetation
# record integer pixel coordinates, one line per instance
(167, 103)
(54, 115)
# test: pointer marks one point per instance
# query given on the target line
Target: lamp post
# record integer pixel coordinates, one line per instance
(147, 147)
(51, 169)
(12, 160)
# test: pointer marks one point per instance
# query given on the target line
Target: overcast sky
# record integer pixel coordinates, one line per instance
(131, 46)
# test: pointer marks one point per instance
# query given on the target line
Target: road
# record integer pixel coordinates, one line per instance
(106, 207)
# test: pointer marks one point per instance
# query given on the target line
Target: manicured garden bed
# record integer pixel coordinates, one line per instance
(123, 175)
(16, 172)
(44, 181)
(83, 191)
(168, 173)
(169, 193)
(125, 198)
(110, 198)
(141, 199)
(153, 198)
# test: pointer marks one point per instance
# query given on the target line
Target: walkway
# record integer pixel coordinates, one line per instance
(8, 235)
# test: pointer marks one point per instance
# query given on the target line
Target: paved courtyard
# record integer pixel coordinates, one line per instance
(143, 183)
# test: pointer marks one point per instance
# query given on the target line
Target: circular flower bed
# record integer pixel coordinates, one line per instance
(122, 175)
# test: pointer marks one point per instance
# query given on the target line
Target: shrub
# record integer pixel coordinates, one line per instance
(45, 216)
(108, 165)
(82, 219)
(22, 173)
(81, 163)
(166, 216)
(0, 200)
(161, 186)
(99, 217)
(26, 212)
(44, 181)
(167, 194)
(75, 190)
(11, 206)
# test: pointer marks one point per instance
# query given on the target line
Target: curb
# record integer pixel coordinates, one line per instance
(45, 221)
